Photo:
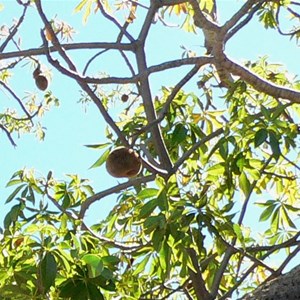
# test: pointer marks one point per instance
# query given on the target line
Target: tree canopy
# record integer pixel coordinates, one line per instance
(210, 209)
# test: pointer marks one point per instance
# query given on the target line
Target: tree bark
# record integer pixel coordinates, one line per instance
(284, 287)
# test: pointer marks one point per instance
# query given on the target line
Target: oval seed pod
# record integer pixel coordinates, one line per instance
(124, 98)
(36, 72)
(41, 82)
(123, 162)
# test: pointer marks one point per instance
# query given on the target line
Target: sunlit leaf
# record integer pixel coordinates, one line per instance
(94, 263)
(101, 160)
(14, 193)
(244, 184)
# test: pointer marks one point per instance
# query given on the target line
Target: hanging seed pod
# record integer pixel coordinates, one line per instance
(41, 82)
(123, 162)
(36, 72)
(124, 98)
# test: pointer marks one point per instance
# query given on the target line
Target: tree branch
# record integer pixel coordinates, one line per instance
(196, 277)
(15, 29)
(261, 84)
(145, 91)
(113, 20)
(8, 135)
(12, 93)
(72, 46)
(168, 102)
(254, 265)
(189, 152)
(116, 189)
(229, 251)
(240, 14)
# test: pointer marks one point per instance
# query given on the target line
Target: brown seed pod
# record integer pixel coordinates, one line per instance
(36, 72)
(123, 162)
(41, 82)
(124, 98)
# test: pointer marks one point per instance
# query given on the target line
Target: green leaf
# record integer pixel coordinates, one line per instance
(286, 219)
(266, 112)
(87, 11)
(165, 256)
(266, 214)
(147, 193)
(244, 184)
(141, 266)
(48, 271)
(14, 193)
(153, 222)
(110, 260)
(13, 182)
(94, 292)
(274, 143)
(239, 234)
(12, 216)
(157, 239)
(275, 219)
(74, 289)
(148, 208)
(79, 7)
(260, 137)
(179, 134)
(279, 110)
(101, 160)
(217, 169)
(223, 149)
(95, 264)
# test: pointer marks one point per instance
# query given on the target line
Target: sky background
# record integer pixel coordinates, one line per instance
(72, 125)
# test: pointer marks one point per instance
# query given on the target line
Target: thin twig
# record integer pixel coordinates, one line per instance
(91, 60)
(112, 19)
(13, 94)
(14, 31)
(8, 135)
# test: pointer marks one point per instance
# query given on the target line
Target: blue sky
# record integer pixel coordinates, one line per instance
(71, 126)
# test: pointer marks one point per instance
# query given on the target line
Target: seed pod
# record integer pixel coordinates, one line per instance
(36, 72)
(124, 98)
(41, 82)
(123, 162)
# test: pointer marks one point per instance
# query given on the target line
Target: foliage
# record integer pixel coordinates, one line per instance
(212, 155)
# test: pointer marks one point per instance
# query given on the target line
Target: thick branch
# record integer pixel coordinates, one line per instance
(145, 91)
(261, 84)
